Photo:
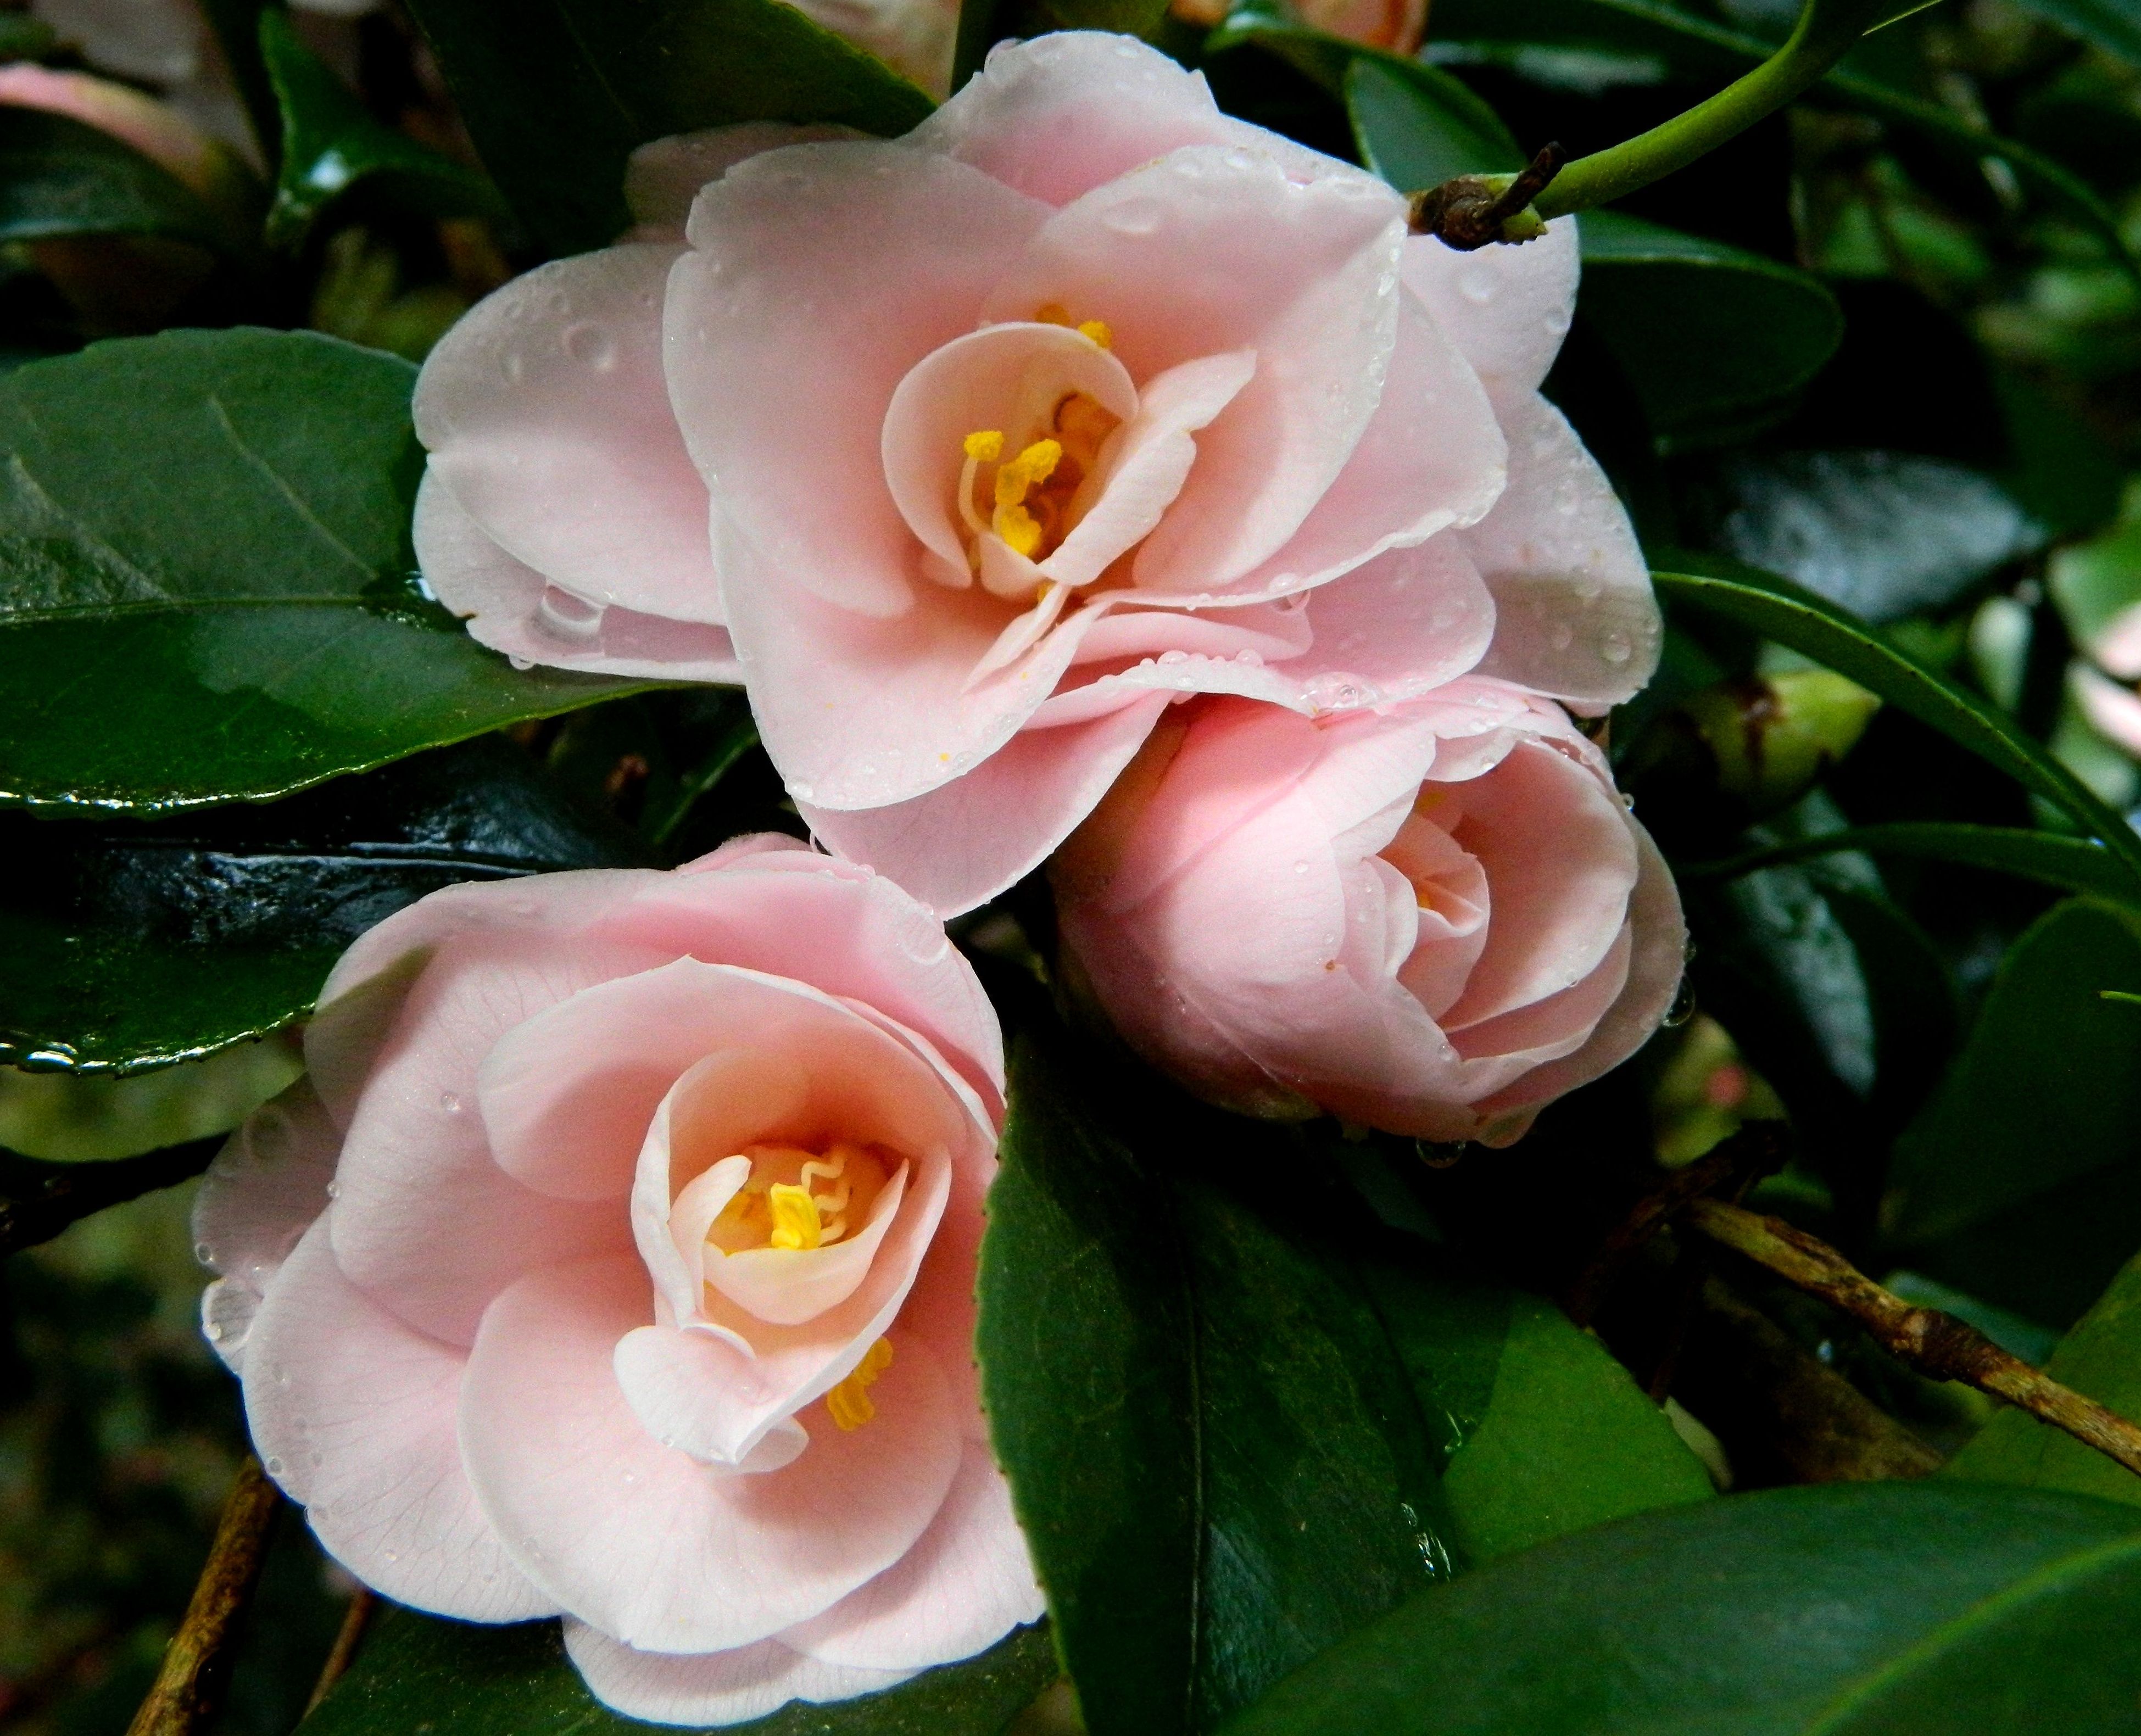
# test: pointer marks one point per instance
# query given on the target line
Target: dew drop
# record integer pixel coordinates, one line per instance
(1683, 1006)
(1170, 659)
(1477, 282)
(334, 1190)
(203, 1253)
(1617, 648)
(1301, 867)
(1560, 637)
(512, 366)
(563, 615)
(273, 1467)
(1134, 216)
(451, 1102)
(592, 346)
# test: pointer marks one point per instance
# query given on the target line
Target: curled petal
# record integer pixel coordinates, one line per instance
(712, 1688)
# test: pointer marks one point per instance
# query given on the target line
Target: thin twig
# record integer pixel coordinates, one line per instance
(1756, 1150)
(354, 1621)
(182, 1701)
(1937, 1344)
(39, 1198)
(1469, 211)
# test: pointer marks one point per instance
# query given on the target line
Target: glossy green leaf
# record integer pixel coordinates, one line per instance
(984, 23)
(2073, 864)
(2101, 1357)
(1213, 1446)
(1567, 1440)
(557, 94)
(1709, 335)
(332, 144)
(1791, 1610)
(125, 945)
(60, 176)
(206, 578)
(1884, 534)
(2022, 1181)
(1417, 126)
(419, 1673)
(1782, 611)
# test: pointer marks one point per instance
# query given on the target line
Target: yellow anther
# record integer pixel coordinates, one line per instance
(1019, 528)
(795, 1223)
(1098, 330)
(1029, 470)
(1051, 313)
(985, 445)
(849, 1401)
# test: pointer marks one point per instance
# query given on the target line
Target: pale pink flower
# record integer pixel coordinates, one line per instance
(1433, 918)
(616, 1258)
(1080, 397)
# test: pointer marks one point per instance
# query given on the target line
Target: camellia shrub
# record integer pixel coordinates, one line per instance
(1133, 868)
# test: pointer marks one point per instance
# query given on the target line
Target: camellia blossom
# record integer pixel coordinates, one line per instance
(1081, 396)
(1433, 918)
(616, 1258)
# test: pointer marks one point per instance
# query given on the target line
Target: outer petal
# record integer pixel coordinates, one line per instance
(962, 1588)
(261, 1192)
(1400, 626)
(1575, 615)
(546, 415)
(513, 608)
(821, 275)
(662, 177)
(353, 1415)
(1508, 308)
(966, 841)
(1213, 249)
(712, 1688)
(636, 1538)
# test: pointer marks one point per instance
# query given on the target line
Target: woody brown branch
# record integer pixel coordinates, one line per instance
(1927, 1340)
(183, 1700)
(1469, 211)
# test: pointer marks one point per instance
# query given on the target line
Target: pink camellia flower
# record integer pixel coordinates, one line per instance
(616, 1258)
(1433, 918)
(1080, 397)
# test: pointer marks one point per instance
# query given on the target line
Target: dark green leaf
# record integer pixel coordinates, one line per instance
(2073, 864)
(1215, 1452)
(1417, 126)
(1760, 1615)
(2101, 1358)
(558, 94)
(2114, 25)
(984, 23)
(2096, 581)
(2017, 1183)
(60, 176)
(25, 38)
(332, 144)
(1885, 534)
(1709, 336)
(418, 1673)
(206, 578)
(126, 946)
(1830, 634)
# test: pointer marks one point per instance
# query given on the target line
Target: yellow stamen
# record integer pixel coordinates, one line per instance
(795, 1223)
(848, 1402)
(1029, 470)
(1051, 313)
(985, 445)
(1019, 529)
(1099, 331)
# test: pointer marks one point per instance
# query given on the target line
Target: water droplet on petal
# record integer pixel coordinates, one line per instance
(563, 615)
(1616, 647)
(592, 346)
(1477, 282)
(450, 1102)
(273, 1467)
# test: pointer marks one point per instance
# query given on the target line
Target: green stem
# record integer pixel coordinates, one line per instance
(1817, 42)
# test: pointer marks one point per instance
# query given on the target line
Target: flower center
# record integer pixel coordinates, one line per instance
(798, 1199)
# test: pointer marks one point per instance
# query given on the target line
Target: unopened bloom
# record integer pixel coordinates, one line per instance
(1081, 397)
(617, 1258)
(1433, 918)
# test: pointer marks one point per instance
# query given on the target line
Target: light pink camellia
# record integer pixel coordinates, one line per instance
(616, 1258)
(1081, 396)
(1433, 918)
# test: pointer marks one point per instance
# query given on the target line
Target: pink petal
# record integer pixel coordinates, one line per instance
(965, 842)
(1404, 624)
(512, 608)
(679, 1385)
(1432, 456)
(636, 1538)
(547, 418)
(662, 177)
(712, 1689)
(962, 1588)
(1508, 308)
(1213, 248)
(261, 1192)
(821, 275)
(1575, 618)
(1059, 115)
(353, 1415)
(2117, 645)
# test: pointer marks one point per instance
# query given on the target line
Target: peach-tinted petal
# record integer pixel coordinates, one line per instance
(712, 1688)
(663, 176)
(1405, 623)
(819, 276)
(965, 842)
(354, 1415)
(962, 1588)
(1212, 248)
(261, 1192)
(546, 414)
(1507, 308)
(636, 1538)
(513, 608)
